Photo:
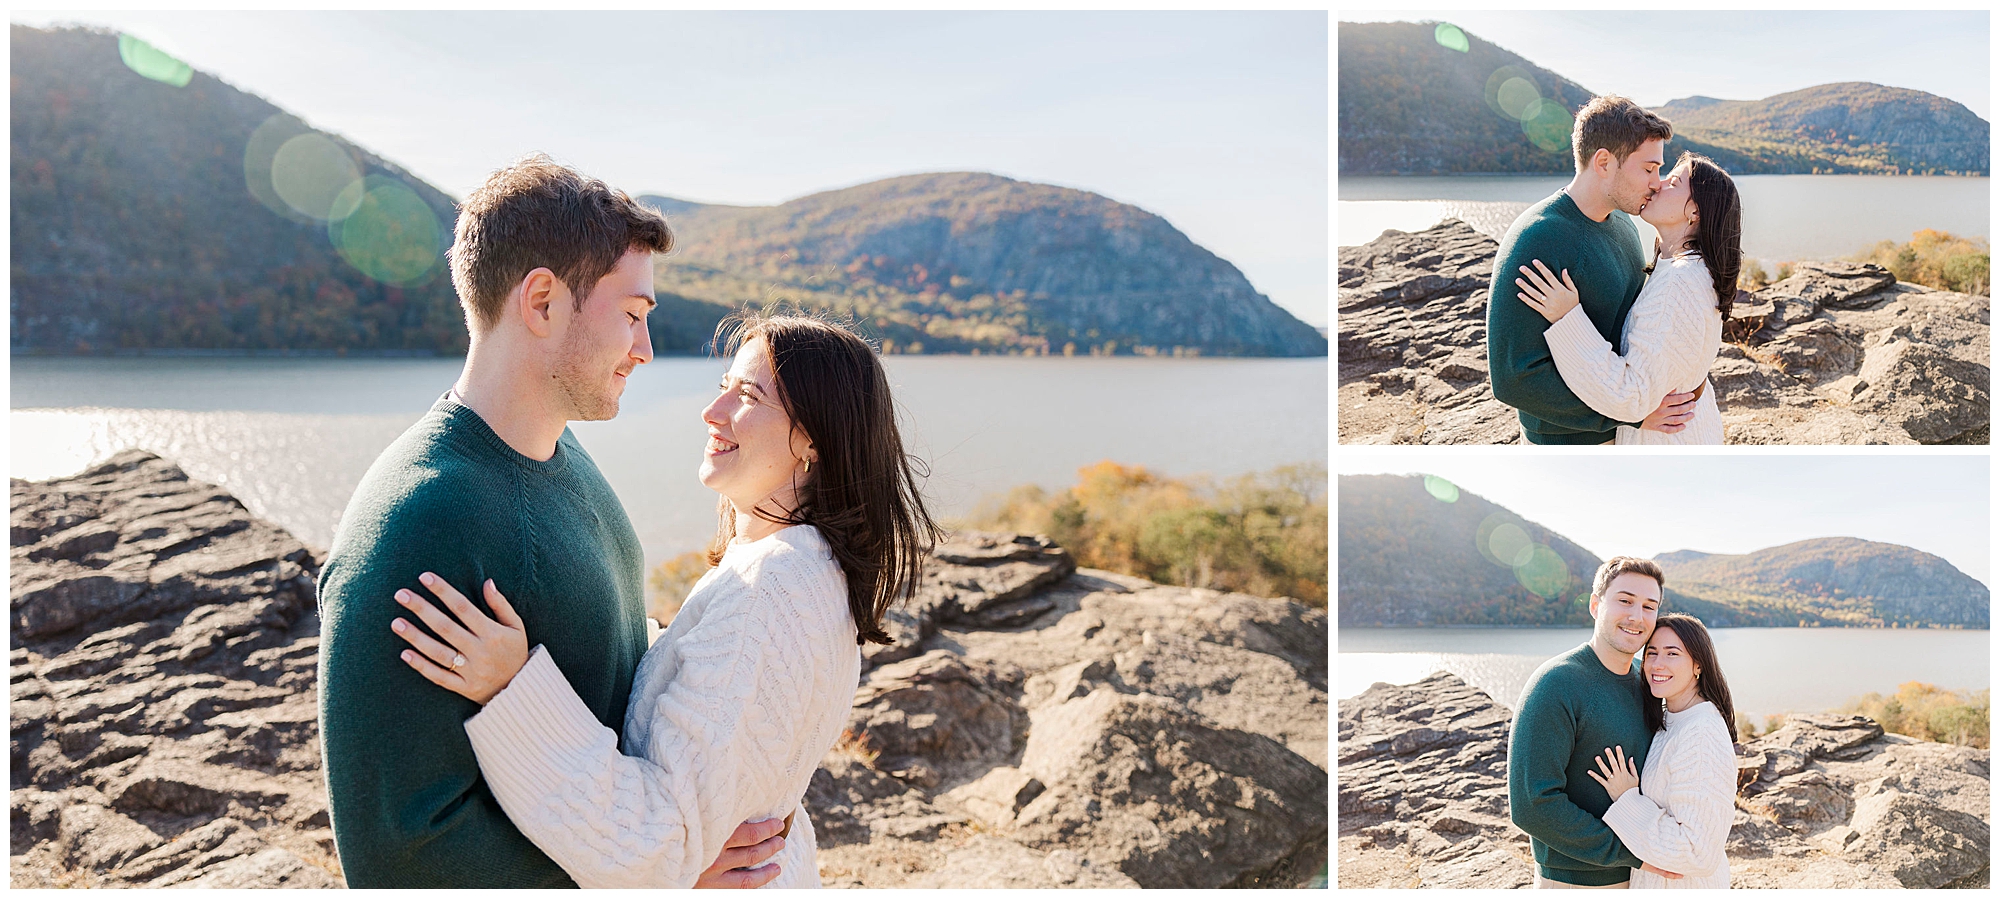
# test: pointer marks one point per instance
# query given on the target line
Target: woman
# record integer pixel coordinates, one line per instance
(734, 706)
(1679, 820)
(1675, 327)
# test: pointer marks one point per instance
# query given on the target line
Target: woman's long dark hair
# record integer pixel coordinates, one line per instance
(861, 490)
(1710, 685)
(1718, 233)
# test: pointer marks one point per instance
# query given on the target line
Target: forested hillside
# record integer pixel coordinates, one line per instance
(1430, 98)
(1418, 551)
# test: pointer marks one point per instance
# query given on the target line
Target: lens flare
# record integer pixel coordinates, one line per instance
(150, 62)
(1445, 491)
(261, 152)
(1450, 37)
(1543, 572)
(1516, 95)
(1500, 77)
(392, 235)
(1547, 124)
(315, 177)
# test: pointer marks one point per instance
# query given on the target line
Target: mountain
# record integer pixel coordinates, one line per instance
(1862, 580)
(966, 261)
(158, 208)
(1409, 557)
(1411, 103)
(166, 212)
(1417, 551)
(1852, 126)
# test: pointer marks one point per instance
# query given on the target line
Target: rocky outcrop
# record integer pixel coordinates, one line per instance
(163, 723)
(1837, 353)
(1825, 801)
(1051, 728)
(1036, 725)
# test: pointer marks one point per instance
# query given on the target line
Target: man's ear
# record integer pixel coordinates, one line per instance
(1593, 606)
(1602, 161)
(534, 300)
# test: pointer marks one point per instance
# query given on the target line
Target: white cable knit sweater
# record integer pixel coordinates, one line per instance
(731, 711)
(1671, 337)
(1679, 817)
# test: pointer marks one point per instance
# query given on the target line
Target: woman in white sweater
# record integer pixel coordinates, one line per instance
(1674, 329)
(735, 704)
(1675, 815)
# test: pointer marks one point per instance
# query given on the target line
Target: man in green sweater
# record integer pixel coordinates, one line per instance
(1586, 231)
(1575, 707)
(555, 273)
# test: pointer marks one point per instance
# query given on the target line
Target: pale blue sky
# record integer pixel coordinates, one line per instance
(1215, 121)
(1733, 503)
(1665, 54)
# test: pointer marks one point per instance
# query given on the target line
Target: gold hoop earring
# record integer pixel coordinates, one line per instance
(809, 466)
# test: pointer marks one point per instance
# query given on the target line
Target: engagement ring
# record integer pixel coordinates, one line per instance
(457, 660)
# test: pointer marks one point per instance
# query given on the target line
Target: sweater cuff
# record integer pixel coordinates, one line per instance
(529, 732)
(1630, 816)
(1573, 335)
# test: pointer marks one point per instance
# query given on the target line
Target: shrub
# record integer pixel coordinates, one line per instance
(1936, 259)
(1262, 533)
(1926, 712)
(668, 584)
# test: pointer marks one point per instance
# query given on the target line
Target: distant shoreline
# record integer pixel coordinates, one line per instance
(39, 353)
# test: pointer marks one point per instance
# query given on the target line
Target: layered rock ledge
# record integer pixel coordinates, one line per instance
(1839, 353)
(1826, 801)
(1036, 724)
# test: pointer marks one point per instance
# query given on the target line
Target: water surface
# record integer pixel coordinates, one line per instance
(1771, 670)
(291, 437)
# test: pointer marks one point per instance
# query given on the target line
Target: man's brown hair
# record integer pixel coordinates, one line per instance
(1617, 565)
(537, 213)
(1614, 123)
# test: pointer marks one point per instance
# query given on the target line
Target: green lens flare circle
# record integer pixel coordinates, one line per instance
(1515, 96)
(150, 62)
(1511, 546)
(316, 177)
(1543, 572)
(392, 235)
(1547, 124)
(1444, 491)
(1502, 76)
(1450, 37)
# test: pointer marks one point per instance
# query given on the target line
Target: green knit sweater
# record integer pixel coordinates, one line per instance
(408, 805)
(1572, 710)
(1606, 263)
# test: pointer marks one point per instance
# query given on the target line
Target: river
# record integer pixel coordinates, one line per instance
(292, 436)
(1771, 670)
(1785, 217)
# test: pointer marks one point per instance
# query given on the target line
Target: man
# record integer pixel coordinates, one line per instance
(1587, 229)
(555, 273)
(1576, 706)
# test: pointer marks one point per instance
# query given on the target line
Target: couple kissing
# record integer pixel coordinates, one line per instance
(1579, 340)
(1621, 766)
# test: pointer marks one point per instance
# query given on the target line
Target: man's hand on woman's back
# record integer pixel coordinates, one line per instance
(753, 844)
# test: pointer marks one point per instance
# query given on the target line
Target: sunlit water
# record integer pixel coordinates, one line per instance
(1771, 670)
(292, 437)
(1785, 217)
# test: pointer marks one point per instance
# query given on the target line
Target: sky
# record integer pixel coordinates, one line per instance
(1733, 503)
(1666, 54)
(1215, 121)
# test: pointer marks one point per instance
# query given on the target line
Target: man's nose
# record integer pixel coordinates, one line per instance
(642, 346)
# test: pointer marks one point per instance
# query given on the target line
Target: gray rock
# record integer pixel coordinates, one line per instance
(1042, 727)
(1826, 801)
(1837, 353)
(162, 684)
(1160, 735)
